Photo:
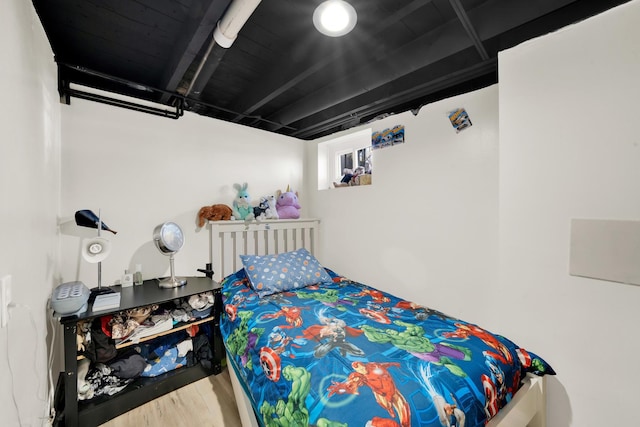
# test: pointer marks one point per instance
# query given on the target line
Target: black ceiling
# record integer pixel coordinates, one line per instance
(280, 74)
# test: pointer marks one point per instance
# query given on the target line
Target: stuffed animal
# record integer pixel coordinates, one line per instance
(213, 213)
(287, 205)
(266, 209)
(258, 211)
(271, 212)
(242, 209)
(83, 334)
(350, 177)
(347, 174)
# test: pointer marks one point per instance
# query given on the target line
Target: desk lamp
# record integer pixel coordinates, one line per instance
(96, 249)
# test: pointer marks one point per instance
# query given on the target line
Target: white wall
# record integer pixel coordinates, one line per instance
(427, 229)
(29, 191)
(141, 170)
(569, 148)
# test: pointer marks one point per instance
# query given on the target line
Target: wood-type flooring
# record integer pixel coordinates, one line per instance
(208, 402)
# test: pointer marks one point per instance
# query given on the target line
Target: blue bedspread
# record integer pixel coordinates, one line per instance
(344, 354)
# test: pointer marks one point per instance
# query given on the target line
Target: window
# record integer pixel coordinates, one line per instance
(351, 153)
(346, 161)
(365, 159)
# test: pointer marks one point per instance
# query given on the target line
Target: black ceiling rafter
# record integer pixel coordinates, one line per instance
(203, 16)
(283, 76)
(205, 70)
(277, 83)
(505, 40)
(405, 96)
(542, 25)
(471, 32)
(419, 53)
(234, 19)
(446, 40)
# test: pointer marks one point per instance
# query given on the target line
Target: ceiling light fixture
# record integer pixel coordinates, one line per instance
(335, 18)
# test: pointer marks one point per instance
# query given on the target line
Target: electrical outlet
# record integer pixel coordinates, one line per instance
(5, 299)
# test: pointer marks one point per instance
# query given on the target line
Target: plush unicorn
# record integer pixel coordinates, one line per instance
(287, 205)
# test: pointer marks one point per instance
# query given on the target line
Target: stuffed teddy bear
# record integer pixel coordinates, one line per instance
(266, 209)
(287, 205)
(242, 209)
(213, 213)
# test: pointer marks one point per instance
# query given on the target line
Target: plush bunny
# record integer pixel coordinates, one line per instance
(242, 209)
(287, 205)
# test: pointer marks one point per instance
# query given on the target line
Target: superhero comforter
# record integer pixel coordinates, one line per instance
(341, 353)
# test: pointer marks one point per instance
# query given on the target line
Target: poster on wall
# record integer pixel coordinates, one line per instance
(459, 119)
(387, 137)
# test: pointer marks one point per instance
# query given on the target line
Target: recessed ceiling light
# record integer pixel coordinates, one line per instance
(335, 18)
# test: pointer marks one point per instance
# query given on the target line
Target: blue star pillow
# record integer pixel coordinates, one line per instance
(270, 274)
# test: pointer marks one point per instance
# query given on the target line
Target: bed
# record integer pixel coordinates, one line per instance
(308, 346)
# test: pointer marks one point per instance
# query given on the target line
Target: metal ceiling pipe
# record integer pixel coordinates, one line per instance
(224, 35)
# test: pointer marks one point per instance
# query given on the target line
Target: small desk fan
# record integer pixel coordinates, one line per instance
(169, 239)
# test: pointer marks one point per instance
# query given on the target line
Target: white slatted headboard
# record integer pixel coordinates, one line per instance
(230, 239)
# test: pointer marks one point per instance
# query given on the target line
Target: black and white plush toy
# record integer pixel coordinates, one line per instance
(266, 209)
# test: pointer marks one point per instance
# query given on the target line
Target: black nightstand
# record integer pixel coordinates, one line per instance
(103, 408)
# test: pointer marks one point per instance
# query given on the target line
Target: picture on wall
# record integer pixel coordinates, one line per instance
(387, 137)
(459, 119)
